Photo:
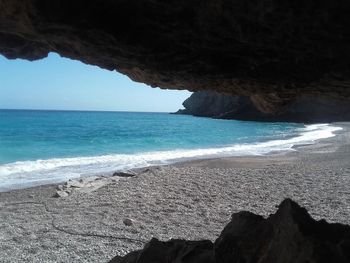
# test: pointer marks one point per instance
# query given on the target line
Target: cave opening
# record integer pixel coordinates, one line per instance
(205, 189)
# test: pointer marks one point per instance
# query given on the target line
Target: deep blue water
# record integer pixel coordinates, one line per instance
(48, 146)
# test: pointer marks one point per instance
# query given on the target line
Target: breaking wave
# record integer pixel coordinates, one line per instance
(31, 173)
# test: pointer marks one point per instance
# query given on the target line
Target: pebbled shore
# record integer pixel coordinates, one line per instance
(192, 200)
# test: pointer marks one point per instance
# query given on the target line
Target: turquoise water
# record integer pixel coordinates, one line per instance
(38, 147)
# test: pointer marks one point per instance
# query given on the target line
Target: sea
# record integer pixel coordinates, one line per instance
(41, 147)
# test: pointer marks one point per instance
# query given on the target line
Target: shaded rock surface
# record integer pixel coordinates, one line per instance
(301, 109)
(272, 49)
(175, 250)
(289, 235)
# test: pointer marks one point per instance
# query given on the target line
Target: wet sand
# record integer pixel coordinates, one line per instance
(192, 200)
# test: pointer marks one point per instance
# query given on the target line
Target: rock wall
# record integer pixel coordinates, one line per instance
(289, 236)
(273, 50)
(301, 109)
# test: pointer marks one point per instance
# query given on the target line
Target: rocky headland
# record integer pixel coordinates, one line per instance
(302, 109)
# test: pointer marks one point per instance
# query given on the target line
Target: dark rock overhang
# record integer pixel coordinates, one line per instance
(274, 50)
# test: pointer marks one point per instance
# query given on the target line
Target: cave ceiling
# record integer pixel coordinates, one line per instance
(271, 50)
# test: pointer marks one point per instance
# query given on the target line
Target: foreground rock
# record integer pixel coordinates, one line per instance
(272, 49)
(289, 235)
(171, 251)
(301, 109)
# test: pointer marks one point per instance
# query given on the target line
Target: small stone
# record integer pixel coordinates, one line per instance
(32, 236)
(61, 194)
(122, 174)
(76, 184)
(128, 222)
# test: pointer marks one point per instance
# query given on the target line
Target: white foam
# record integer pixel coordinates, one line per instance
(30, 173)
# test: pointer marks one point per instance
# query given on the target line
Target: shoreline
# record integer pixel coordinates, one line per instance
(277, 156)
(220, 153)
(190, 200)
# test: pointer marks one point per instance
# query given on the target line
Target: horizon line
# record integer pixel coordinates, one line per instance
(1, 109)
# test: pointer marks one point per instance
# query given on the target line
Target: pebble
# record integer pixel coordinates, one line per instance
(128, 222)
(61, 194)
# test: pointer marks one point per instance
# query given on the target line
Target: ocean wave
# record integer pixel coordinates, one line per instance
(29, 173)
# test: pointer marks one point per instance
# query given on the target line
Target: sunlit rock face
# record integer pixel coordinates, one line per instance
(271, 49)
(308, 109)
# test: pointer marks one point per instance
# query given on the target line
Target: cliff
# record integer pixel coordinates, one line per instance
(302, 109)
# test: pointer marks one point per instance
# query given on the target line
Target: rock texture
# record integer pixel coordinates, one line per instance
(272, 49)
(289, 235)
(179, 251)
(301, 109)
(219, 105)
(87, 184)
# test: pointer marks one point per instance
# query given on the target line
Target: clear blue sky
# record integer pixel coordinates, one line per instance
(64, 84)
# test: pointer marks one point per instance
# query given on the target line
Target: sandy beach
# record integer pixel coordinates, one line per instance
(191, 200)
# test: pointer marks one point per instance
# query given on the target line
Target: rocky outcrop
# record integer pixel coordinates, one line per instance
(289, 235)
(271, 49)
(88, 184)
(219, 105)
(301, 109)
(179, 251)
